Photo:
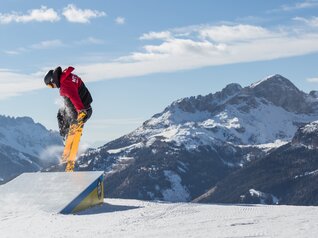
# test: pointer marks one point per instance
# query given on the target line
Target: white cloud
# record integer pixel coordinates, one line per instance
(313, 21)
(205, 46)
(120, 20)
(47, 44)
(12, 52)
(163, 35)
(13, 83)
(38, 46)
(305, 4)
(71, 13)
(74, 14)
(300, 5)
(176, 47)
(91, 40)
(42, 14)
(225, 33)
(313, 80)
(195, 47)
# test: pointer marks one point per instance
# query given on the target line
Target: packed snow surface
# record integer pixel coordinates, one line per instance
(133, 218)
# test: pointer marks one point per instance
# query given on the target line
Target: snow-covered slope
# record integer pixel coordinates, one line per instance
(133, 218)
(197, 141)
(25, 146)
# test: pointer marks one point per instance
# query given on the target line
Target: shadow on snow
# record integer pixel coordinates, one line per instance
(106, 208)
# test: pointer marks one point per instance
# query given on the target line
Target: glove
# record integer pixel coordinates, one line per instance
(82, 116)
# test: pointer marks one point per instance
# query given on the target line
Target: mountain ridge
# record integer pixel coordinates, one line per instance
(288, 175)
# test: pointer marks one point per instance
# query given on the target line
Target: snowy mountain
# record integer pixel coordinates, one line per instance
(25, 146)
(180, 153)
(288, 175)
(307, 136)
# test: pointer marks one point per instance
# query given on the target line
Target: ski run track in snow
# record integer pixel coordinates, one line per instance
(133, 218)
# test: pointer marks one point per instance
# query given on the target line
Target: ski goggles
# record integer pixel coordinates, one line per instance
(51, 85)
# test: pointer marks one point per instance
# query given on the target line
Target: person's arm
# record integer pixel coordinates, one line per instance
(72, 94)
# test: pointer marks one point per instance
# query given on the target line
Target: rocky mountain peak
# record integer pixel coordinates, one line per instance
(307, 135)
(314, 94)
(275, 89)
(232, 89)
(208, 102)
(275, 81)
(283, 93)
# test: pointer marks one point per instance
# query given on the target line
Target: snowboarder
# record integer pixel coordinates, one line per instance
(77, 110)
(77, 98)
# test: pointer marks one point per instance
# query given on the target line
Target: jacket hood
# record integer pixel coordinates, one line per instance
(67, 72)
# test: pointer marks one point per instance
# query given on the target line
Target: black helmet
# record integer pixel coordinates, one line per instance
(52, 78)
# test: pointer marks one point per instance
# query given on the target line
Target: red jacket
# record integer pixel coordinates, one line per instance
(69, 87)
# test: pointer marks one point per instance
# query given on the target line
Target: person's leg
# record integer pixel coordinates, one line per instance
(63, 122)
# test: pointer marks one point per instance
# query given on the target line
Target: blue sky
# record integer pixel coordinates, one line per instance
(136, 57)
